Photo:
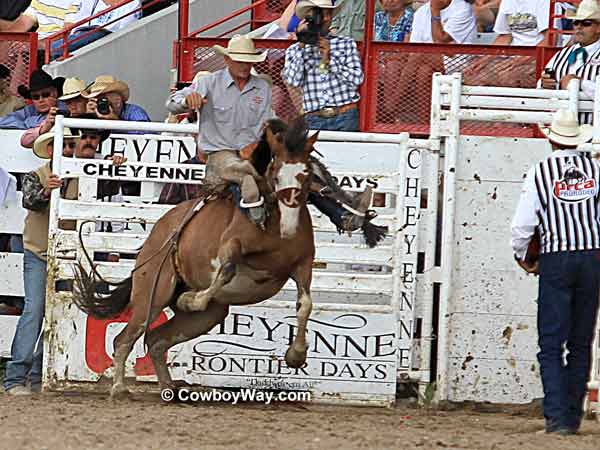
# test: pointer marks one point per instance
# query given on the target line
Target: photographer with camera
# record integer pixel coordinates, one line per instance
(327, 68)
(107, 98)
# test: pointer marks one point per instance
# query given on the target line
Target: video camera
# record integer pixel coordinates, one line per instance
(311, 34)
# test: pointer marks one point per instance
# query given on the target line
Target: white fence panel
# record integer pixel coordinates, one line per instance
(354, 331)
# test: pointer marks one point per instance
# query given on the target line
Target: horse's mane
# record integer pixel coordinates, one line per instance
(294, 137)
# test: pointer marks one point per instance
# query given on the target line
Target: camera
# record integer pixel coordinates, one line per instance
(312, 33)
(63, 112)
(103, 106)
(549, 72)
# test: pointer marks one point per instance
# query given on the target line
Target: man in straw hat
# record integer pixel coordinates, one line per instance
(580, 60)
(559, 200)
(233, 105)
(73, 97)
(23, 372)
(107, 98)
(329, 72)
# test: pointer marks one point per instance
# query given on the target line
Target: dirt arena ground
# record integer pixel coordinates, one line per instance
(90, 421)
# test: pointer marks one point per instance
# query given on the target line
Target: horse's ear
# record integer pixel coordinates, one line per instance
(273, 140)
(310, 142)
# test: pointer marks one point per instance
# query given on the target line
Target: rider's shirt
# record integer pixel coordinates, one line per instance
(232, 118)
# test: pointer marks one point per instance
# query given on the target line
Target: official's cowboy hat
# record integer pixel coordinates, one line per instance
(303, 7)
(241, 48)
(40, 80)
(40, 146)
(104, 84)
(588, 9)
(565, 129)
(72, 88)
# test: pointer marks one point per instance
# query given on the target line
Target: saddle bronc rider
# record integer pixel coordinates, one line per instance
(234, 103)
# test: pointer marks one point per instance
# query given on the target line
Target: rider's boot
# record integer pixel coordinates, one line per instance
(345, 219)
(252, 201)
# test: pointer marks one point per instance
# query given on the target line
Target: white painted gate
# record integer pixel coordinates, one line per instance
(362, 322)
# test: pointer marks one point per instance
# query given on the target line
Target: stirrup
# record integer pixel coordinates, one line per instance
(254, 209)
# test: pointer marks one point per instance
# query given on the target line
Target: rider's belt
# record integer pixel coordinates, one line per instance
(331, 111)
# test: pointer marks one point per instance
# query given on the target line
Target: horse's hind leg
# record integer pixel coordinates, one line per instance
(140, 297)
(182, 327)
(230, 254)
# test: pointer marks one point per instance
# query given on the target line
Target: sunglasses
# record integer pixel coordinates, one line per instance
(42, 95)
(583, 23)
(89, 136)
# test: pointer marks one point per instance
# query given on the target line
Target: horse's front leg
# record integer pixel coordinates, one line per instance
(295, 356)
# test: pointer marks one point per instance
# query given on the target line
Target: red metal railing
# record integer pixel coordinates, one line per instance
(64, 35)
(18, 52)
(396, 94)
(267, 12)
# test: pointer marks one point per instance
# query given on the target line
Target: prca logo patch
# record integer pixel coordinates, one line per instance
(575, 186)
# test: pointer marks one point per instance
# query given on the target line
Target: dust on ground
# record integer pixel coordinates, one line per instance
(92, 421)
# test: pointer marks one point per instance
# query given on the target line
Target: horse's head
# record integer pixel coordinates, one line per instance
(289, 172)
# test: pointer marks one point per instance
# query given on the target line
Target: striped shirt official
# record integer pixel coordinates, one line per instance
(587, 71)
(560, 198)
(337, 86)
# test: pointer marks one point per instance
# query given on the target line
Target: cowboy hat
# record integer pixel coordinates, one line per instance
(40, 146)
(303, 7)
(104, 134)
(40, 80)
(104, 84)
(241, 48)
(565, 129)
(588, 9)
(72, 88)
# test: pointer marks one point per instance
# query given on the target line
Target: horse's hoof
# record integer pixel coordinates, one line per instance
(119, 392)
(185, 301)
(295, 359)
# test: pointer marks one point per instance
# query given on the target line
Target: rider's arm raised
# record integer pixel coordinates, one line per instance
(176, 103)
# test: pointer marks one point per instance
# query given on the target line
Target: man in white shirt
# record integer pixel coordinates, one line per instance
(581, 60)
(92, 7)
(445, 22)
(559, 200)
(522, 22)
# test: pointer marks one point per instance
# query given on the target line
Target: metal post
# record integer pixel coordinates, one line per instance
(366, 88)
(184, 13)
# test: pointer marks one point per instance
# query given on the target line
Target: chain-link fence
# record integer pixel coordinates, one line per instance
(399, 83)
(268, 11)
(397, 93)
(18, 52)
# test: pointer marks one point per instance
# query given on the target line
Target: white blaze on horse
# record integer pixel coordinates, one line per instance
(217, 258)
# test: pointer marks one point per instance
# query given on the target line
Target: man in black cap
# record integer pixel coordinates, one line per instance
(8, 102)
(43, 91)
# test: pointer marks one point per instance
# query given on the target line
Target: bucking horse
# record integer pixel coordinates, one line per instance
(205, 255)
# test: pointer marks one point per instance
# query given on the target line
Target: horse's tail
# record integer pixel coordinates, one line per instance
(99, 306)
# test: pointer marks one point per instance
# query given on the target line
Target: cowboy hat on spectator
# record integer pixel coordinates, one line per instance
(40, 146)
(565, 129)
(241, 49)
(103, 134)
(103, 84)
(588, 9)
(40, 80)
(304, 6)
(72, 88)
